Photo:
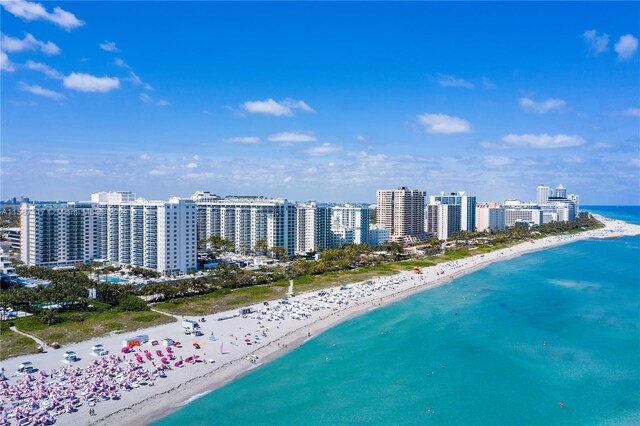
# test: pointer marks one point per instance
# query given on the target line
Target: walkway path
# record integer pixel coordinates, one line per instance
(31, 336)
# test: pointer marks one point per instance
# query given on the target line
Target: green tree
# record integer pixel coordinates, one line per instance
(49, 317)
(261, 246)
(133, 303)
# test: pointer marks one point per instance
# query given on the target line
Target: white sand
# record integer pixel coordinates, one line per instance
(146, 404)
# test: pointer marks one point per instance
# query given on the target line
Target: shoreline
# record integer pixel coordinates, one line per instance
(146, 404)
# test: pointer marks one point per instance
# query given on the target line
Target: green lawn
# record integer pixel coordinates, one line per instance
(14, 344)
(79, 326)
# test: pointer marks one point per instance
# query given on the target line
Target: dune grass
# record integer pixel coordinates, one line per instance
(84, 325)
(13, 344)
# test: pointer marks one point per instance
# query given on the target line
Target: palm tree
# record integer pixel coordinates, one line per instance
(261, 246)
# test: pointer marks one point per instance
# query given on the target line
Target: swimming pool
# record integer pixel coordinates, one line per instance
(114, 280)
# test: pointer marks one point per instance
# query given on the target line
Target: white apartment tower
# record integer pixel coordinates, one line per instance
(116, 227)
(543, 193)
(313, 228)
(58, 234)
(402, 212)
(244, 221)
(357, 218)
(443, 220)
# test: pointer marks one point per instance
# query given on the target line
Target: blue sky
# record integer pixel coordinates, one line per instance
(326, 101)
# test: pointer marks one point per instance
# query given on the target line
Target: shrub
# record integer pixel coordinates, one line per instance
(49, 317)
(133, 303)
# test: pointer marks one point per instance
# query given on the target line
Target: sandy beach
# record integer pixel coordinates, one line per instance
(233, 346)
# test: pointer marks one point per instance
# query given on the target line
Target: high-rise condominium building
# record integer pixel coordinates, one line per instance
(313, 227)
(402, 212)
(543, 193)
(244, 221)
(489, 216)
(443, 220)
(355, 217)
(560, 192)
(156, 235)
(58, 234)
(576, 201)
(467, 205)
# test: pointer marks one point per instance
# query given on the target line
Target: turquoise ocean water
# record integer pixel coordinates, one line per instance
(502, 346)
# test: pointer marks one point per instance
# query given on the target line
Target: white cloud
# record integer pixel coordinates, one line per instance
(597, 43)
(243, 140)
(29, 42)
(200, 176)
(44, 68)
(90, 83)
(290, 137)
(119, 62)
(496, 161)
(529, 105)
(444, 124)
(145, 157)
(133, 79)
(488, 84)
(5, 63)
(41, 91)
(192, 166)
(367, 158)
(149, 100)
(446, 80)
(89, 172)
(35, 11)
(286, 107)
(146, 98)
(109, 46)
(573, 159)
(7, 160)
(631, 112)
(55, 161)
(362, 138)
(544, 141)
(600, 145)
(626, 46)
(324, 149)
(162, 170)
(28, 103)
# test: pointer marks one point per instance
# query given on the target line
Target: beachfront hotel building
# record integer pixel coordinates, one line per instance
(517, 212)
(313, 227)
(58, 234)
(490, 216)
(443, 220)
(467, 205)
(119, 229)
(402, 212)
(354, 217)
(543, 193)
(156, 235)
(246, 220)
(556, 205)
(378, 235)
